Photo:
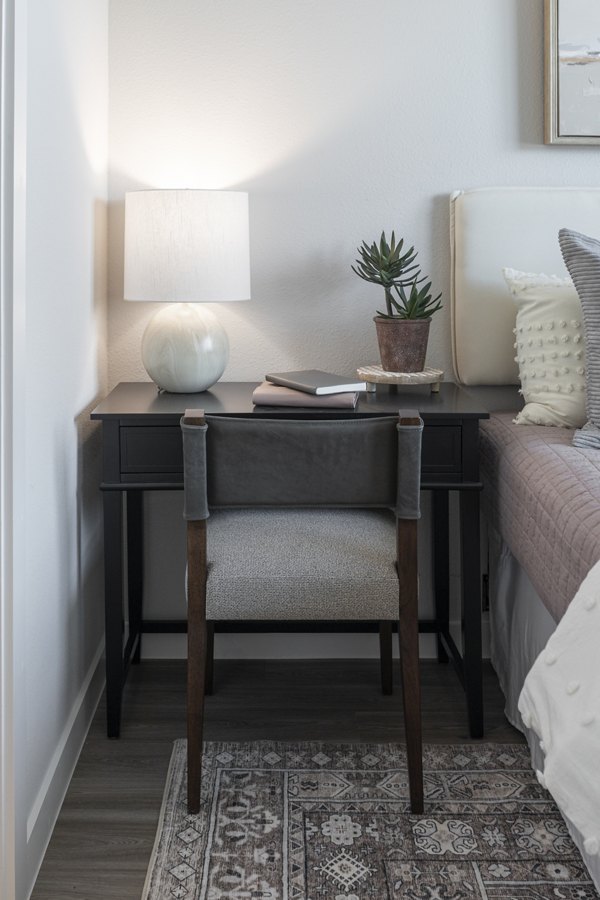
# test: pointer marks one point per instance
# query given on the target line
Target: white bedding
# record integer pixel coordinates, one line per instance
(560, 702)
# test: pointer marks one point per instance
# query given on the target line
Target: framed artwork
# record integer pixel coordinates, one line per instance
(572, 82)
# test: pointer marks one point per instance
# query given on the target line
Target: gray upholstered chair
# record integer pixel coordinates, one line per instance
(309, 519)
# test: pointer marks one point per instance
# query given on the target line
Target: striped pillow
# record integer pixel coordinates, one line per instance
(582, 258)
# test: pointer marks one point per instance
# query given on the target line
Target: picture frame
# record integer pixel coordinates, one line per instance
(572, 72)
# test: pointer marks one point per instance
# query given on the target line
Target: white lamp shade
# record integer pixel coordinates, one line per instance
(187, 246)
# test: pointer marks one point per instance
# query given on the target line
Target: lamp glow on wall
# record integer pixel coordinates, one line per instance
(186, 248)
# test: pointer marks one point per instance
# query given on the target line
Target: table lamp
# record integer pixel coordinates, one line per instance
(186, 248)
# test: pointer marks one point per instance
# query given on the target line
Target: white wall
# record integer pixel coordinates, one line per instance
(12, 206)
(59, 375)
(340, 118)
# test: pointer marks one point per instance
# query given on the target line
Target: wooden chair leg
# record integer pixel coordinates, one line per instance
(385, 657)
(210, 658)
(409, 656)
(196, 663)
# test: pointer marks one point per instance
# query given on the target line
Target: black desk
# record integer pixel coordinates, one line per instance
(142, 451)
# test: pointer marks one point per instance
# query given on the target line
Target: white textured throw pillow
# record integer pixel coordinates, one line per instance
(550, 349)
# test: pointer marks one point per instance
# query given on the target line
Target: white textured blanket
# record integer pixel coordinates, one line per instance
(560, 701)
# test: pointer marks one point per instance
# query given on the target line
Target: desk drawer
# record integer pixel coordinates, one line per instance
(151, 449)
(148, 449)
(441, 451)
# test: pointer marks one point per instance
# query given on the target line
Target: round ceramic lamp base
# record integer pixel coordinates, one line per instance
(185, 348)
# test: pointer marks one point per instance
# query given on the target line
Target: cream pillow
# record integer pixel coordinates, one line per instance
(550, 347)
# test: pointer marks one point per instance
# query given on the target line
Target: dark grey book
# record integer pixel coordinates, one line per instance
(313, 381)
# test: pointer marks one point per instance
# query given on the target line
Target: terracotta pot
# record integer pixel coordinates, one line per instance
(402, 343)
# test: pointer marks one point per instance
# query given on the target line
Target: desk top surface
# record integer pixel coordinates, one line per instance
(142, 399)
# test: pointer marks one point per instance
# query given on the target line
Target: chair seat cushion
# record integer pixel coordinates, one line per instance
(302, 564)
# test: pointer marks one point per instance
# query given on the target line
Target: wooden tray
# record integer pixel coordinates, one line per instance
(375, 375)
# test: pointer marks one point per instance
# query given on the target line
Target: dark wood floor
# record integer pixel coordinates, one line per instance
(103, 839)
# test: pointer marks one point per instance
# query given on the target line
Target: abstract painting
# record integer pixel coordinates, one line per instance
(572, 108)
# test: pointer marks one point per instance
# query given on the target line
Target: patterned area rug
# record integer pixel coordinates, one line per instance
(332, 822)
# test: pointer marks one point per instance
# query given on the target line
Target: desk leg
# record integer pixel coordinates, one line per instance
(471, 609)
(113, 607)
(135, 567)
(441, 568)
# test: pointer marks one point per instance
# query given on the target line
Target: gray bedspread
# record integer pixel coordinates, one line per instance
(543, 497)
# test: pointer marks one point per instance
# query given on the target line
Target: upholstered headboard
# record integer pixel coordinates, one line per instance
(496, 227)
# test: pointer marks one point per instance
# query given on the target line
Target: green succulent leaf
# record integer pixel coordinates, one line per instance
(388, 264)
(419, 303)
(384, 263)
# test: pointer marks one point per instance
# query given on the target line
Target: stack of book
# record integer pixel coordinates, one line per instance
(310, 387)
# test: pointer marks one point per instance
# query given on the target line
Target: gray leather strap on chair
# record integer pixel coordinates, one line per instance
(195, 502)
(408, 504)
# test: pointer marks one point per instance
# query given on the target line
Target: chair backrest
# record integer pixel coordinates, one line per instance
(232, 461)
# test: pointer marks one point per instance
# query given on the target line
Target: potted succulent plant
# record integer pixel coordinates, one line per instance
(403, 329)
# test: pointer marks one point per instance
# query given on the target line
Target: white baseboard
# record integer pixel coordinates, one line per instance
(46, 807)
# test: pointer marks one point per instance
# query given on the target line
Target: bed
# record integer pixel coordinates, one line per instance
(541, 500)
